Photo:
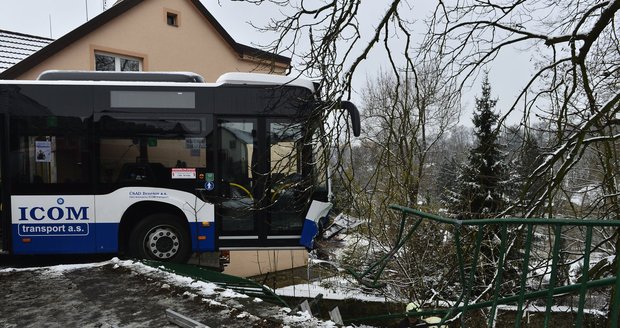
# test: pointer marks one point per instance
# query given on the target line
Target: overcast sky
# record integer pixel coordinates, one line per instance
(55, 18)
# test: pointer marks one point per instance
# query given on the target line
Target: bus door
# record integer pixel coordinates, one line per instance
(289, 185)
(240, 182)
(260, 183)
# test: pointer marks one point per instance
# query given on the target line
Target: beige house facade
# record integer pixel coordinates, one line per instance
(163, 35)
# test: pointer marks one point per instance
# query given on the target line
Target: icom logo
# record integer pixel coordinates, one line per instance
(54, 213)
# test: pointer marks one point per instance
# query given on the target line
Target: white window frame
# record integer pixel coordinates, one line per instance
(117, 60)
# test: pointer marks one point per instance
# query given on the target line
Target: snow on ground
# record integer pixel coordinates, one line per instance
(116, 292)
(205, 288)
(554, 309)
(334, 288)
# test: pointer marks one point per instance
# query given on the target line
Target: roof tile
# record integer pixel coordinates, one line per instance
(14, 47)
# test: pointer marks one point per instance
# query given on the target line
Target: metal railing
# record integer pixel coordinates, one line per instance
(468, 264)
(237, 284)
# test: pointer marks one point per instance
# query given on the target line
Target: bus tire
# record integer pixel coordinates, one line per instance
(160, 237)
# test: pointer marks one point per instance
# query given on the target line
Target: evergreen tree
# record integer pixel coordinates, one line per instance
(481, 192)
(479, 187)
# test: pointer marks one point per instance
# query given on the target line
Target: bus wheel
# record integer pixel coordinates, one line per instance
(160, 237)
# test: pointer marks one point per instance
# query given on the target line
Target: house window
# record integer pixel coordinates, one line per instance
(111, 62)
(172, 19)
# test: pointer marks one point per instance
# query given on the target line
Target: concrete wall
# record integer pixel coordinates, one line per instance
(253, 263)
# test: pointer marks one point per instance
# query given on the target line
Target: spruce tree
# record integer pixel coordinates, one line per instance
(479, 187)
(480, 192)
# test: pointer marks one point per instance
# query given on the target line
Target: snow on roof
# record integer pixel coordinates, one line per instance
(264, 79)
(257, 79)
(14, 47)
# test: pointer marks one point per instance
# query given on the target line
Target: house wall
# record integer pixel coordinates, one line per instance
(194, 46)
(254, 263)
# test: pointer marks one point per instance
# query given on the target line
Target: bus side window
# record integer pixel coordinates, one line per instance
(49, 151)
(145, 151)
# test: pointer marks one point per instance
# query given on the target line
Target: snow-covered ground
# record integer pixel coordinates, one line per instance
(334, 288)
(120, 293)
(555, 309)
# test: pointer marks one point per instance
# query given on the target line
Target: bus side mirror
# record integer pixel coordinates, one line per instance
(355, 116)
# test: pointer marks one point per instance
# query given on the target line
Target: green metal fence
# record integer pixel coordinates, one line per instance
(468, 264)
(237, 284)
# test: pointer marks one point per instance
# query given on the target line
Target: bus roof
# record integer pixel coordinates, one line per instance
(264, 79)
(256, 79)
(58, 75)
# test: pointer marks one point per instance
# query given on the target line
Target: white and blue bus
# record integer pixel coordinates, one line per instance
(157, 165)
